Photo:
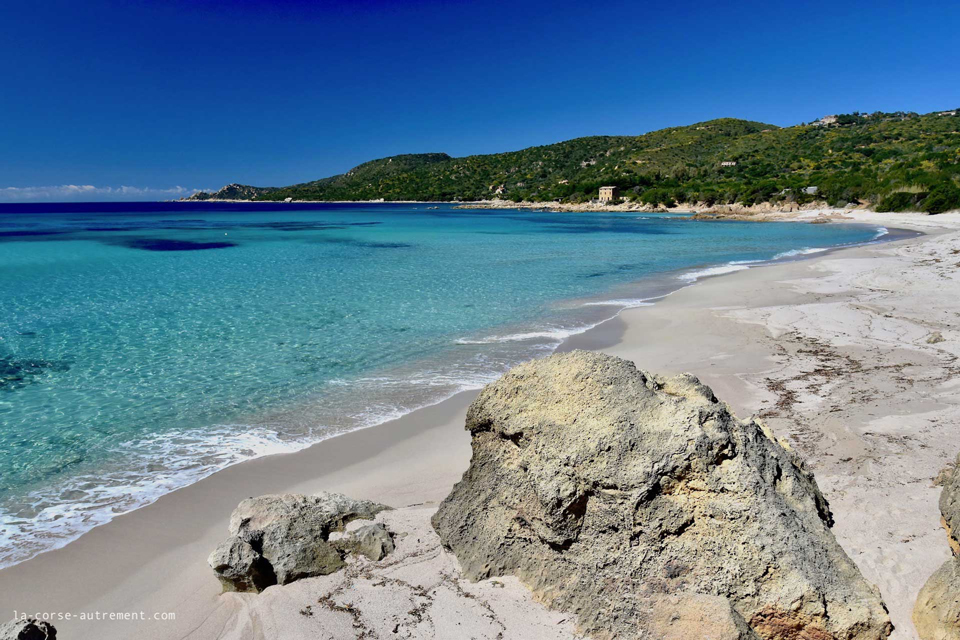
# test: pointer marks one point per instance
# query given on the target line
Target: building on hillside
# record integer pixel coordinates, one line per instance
(811, 191)
(826, 120)
(609, 194)
(728, 163)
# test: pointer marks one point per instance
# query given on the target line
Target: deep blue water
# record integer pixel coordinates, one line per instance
(143, 346)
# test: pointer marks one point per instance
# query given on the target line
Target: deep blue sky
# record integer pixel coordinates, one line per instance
(198, 93)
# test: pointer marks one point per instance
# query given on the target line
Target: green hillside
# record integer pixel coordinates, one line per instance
(897, 161)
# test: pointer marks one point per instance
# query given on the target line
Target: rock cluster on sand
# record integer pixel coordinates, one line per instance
(29, 629)
(643, 506)
(937, 612)
(277, 539)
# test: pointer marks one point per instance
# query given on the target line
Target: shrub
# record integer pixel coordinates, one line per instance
(942, 197)
(899, 201)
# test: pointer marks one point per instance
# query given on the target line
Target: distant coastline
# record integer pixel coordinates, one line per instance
(815, 212)
(893, 162)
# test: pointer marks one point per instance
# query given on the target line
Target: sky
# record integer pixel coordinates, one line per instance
(141, 100)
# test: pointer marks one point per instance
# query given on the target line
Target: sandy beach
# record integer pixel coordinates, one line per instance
(851, 355)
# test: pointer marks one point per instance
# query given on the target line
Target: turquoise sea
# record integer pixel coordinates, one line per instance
(145, 346)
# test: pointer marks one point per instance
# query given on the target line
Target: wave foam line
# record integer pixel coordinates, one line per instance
(186, 457)
(730, 267)
(741, 265)
(555, 335)
(625, 303)
(96, 499)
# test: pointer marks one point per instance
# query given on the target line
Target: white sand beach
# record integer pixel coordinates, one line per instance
(850, 355)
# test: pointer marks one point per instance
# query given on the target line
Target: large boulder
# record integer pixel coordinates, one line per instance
(27, 629)
(276, 539)
(950, 506)
(936, 614)
(607, 489)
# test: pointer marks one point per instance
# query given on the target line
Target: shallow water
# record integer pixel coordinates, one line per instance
(144, 346)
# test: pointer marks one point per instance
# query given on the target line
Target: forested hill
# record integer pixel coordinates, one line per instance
(897, 160)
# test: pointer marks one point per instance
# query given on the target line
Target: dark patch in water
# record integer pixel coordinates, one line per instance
(74, 231)
(384, 245)
(25, 233)
(363, 244)
(16, 373)
(296, 226)
(620, 268)
(646, 230)
(160, 244)
(308, 226)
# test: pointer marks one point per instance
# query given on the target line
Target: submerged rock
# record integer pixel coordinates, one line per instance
(936, 614)
(28, 629)
(611, 492)
(276, 539)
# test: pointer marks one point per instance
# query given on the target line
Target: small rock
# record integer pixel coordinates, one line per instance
(372, 541)
(935, 337)
(944, 475)
(28, 629)
(240, 567)
(276, 539)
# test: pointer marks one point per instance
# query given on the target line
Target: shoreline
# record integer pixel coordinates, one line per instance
(663, 284)
(818, 211)
(414, 459)
(727, 211)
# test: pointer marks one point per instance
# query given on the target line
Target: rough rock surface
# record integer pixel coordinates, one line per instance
(605, 489)
(29, 629)
(372, 541)
(695, 616)
(276, 539)
(415, 593)
(950, 506)
(937, 612)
